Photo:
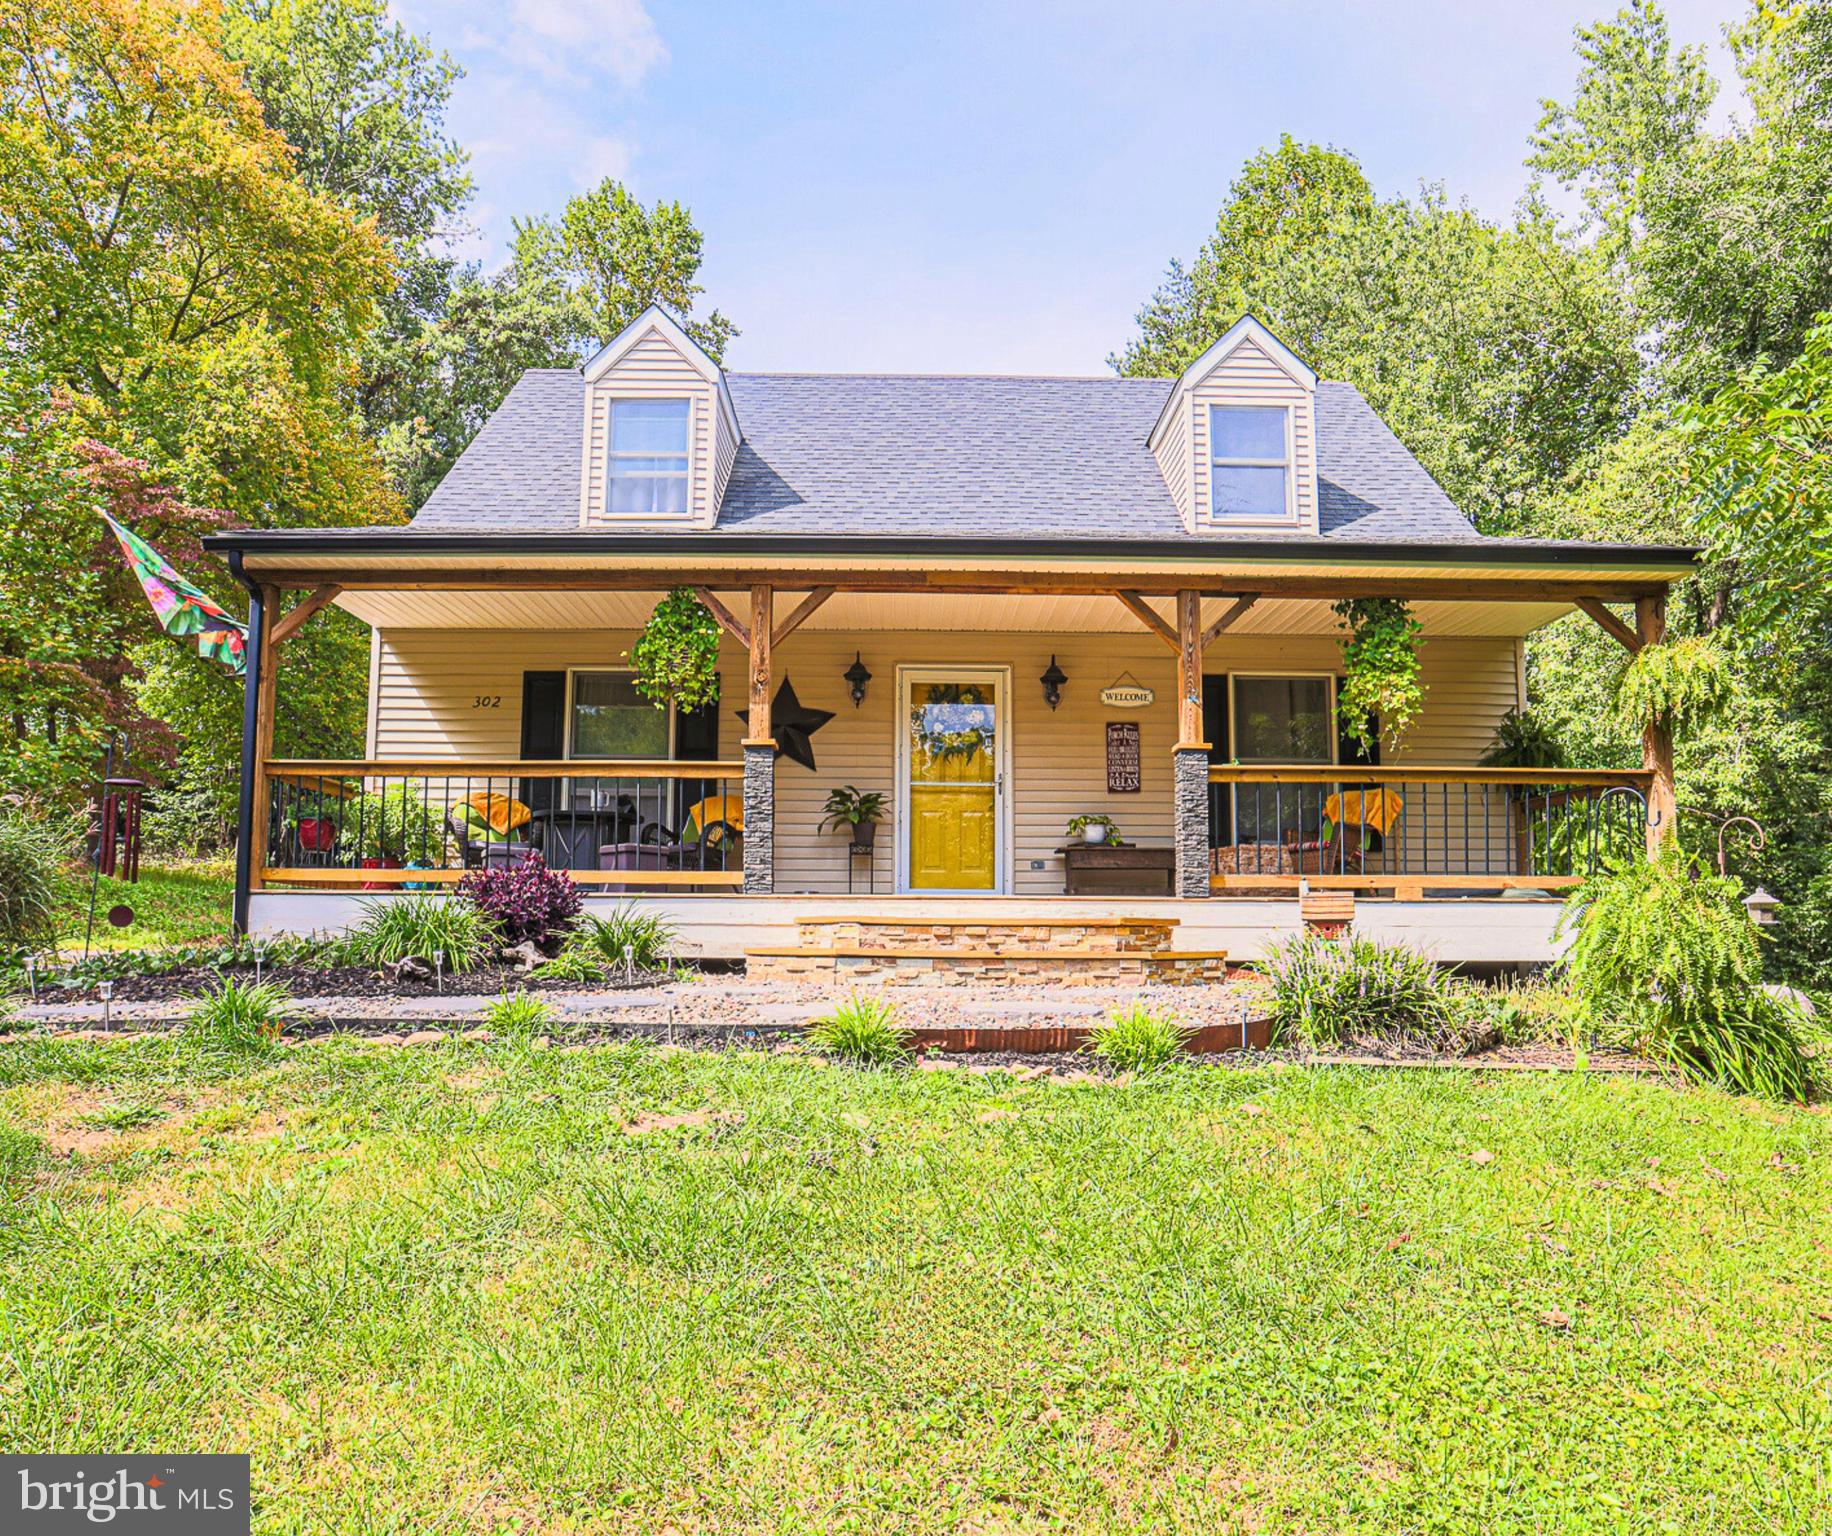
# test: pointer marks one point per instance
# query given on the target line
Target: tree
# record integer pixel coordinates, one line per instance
(1498, 355)
(570, 285)
(1724, 240)
(185, 318)
(362, 103)
(619, 258)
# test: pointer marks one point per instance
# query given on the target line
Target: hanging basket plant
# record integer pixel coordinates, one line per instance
(677, 653)
(1685, 681)
(1380, 657)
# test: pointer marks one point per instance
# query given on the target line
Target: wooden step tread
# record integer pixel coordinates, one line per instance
(992, 922)
(898, 952)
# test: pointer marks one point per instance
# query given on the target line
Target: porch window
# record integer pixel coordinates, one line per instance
(1249, 461)
(647, 462)
(1288, 721)
(609, 718)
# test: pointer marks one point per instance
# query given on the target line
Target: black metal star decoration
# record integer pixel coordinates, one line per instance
(791, 724)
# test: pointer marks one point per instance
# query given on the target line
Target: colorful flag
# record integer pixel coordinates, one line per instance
(182, 610)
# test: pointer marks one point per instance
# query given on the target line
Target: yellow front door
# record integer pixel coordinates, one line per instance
(954, 770)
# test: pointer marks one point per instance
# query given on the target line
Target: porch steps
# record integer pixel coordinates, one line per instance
(997, 951)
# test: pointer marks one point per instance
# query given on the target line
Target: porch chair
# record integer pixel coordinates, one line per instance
(1338, 853)
(484, 825)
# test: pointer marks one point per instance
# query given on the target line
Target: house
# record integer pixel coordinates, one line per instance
(1001, 603)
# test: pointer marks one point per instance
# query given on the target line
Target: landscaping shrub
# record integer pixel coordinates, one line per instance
(1329, 990)
(32, 849)
(863, 1029)
(1137, 1039)
(517, 1015)
(576, 961)
(1664, 954)
(237, 1016)
(626, 936)
(421, 925)
(528, 902)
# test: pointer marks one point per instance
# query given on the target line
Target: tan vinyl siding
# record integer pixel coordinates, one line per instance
(1249, 376)
(651, 369)
(1173, 456)
(725, 450)
(430, 683)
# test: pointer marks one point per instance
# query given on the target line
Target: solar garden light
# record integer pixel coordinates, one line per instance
(257, 962)
(106, 988)
(439, 969)
(31, 973)
(629, 962)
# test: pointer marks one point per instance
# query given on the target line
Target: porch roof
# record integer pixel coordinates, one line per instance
(573, 580)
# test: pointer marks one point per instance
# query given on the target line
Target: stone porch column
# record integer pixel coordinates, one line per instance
(760, 755)
(1192, 818)
(1190, 757)
(759, 817)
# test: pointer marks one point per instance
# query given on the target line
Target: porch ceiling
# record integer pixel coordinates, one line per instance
(865, 611)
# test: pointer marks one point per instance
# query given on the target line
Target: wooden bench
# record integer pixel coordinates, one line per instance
(1102, 869)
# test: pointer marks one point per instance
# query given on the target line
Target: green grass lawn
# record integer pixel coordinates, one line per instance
(173, 904)
(447, 1289)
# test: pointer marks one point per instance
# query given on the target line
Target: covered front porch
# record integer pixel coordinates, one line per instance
(987, 702)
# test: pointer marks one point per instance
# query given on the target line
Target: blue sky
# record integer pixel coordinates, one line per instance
(990, 187)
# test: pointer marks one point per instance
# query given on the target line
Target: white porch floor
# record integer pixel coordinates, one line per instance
(1467, 930)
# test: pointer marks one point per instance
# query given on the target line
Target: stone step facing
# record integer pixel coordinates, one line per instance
(1016, 937)
(941, 965)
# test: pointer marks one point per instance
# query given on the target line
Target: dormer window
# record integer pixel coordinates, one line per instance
(647, 462)
(1250, 462)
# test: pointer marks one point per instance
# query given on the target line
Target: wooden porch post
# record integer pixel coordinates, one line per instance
(760, 755)
(1657, 735)
(1190, 756)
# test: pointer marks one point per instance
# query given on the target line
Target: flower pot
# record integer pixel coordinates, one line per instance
(1094, 836)
(317, 833)
(386, 861)
(865, 834)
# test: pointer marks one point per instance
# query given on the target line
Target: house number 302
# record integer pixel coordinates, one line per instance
(487, 701)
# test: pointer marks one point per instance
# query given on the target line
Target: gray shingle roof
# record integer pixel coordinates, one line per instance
(929, 456)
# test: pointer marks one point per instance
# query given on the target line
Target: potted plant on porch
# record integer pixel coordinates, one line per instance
(857, 810)
(1094, 828)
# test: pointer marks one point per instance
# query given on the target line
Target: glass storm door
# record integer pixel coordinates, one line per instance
(953, 757)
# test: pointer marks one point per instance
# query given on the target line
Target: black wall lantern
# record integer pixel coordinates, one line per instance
(1052, 681)
(856, 679)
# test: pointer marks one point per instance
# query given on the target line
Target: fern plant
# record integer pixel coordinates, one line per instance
(677, 653)
(1664, 954)
(1686, 681)
(1380, 660)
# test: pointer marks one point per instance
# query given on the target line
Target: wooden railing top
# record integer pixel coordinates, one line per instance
(294, 769)
(1355, 773)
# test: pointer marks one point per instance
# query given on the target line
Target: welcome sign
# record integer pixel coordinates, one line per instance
(1127, 693)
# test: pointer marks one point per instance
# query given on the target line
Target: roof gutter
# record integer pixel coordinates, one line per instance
(1284, 550)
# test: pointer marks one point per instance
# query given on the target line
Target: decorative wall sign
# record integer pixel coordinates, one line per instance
(1122, 757)
(1126, 692)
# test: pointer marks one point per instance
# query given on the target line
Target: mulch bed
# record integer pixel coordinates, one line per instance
(343, 981)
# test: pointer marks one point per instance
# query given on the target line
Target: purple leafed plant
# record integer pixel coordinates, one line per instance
(529, 901)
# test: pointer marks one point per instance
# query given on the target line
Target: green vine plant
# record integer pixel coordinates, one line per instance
(677, 653)
(1380, 659)
(1687, 681)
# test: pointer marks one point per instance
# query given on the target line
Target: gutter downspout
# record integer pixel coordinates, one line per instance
(251, 696)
